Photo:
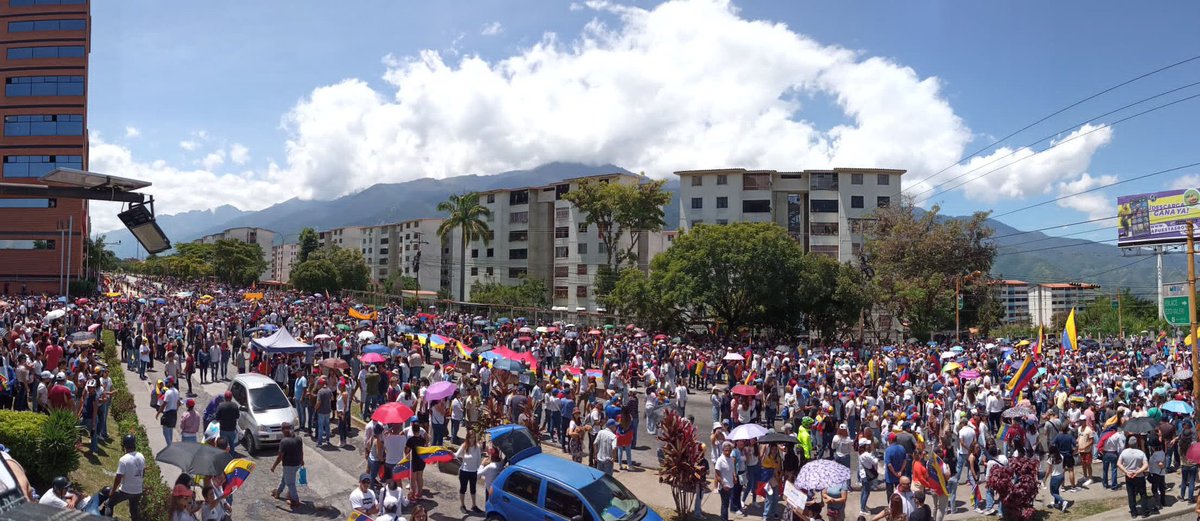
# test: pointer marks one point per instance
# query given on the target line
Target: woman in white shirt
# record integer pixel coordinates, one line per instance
(456, 416)
(470, 455)
(490, 471)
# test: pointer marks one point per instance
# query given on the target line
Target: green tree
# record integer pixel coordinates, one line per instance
(916, 257)
(637, 294)
(528, 293)
(237, 262)
(1098, 318)
(315, 276)
(466, 214)
(619, 211)
(397, 282)
(309, 242)
(837, 296)
(348, 264)
(99, 257)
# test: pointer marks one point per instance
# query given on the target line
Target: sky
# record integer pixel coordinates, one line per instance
(254, 103)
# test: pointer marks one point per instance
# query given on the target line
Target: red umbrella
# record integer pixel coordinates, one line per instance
(525, 338)
(373, 358)
(552, 329)
(745, 390)
(594, 332)
(338, 363)
(81, 302)
(392, 412)
(660, 336)
(629, 327)
(92, 328)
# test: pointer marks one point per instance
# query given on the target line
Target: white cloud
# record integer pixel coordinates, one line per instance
(239, 154)
(1096, 204)
(213, 160)
(132, 132)
(189, 145)
(687, 84)
(1185, 182)
(492, 29)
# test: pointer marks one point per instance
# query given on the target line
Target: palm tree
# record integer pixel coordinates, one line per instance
(465, 213)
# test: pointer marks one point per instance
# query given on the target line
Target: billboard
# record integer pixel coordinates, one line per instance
(1157, 217)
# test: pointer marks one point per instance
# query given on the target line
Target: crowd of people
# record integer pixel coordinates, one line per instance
(926, 424)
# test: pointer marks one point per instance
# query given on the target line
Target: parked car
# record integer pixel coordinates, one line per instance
(539, 486)
(264, 410)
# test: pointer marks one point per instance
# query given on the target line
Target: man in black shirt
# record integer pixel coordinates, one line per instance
(291, 454)
(227, 417)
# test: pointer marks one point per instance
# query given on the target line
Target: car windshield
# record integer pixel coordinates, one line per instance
(268, 398)
(612, 500)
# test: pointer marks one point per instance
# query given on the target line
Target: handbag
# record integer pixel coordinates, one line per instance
(872, 473)
(302, 476)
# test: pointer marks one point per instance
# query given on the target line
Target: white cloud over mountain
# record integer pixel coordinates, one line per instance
(687, 84)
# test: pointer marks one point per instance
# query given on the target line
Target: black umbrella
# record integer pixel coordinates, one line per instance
(1141, 425)
(194, 458)
(777, 437)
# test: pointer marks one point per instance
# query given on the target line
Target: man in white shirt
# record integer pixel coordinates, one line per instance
(725, 477)
(58, 495)
(681, 395)
(362, 499)
(169, 412)
(127, 485)
(606, 445)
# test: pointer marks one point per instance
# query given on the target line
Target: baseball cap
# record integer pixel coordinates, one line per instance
(364, 477)
(611, 422)
(61, 377)
(46, 375)
(191, 403)
(181, 491)
(228, 395)
(716, 425)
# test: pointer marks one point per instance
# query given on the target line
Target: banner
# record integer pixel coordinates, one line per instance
(356, 314)
(1157, 217)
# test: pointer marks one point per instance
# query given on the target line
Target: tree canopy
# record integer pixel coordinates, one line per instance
(619, 211)
(229, 260)
(528, 293)
(309, 242)
(332, 268)
(465, 213)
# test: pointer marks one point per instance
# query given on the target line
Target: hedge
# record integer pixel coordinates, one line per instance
(156, 497)
(21, 433)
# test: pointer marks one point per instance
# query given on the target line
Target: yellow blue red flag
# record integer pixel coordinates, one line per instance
(1070, 339)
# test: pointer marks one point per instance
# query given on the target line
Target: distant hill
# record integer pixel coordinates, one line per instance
(187, 224)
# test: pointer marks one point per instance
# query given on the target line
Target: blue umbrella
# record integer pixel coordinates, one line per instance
(957, 349)
(520, 319)
(503, 320)
(364, 323)
(480, 322)
(377, 348)
(902, 360)
(161, 300)
(505, 364)
(1154, 370)
(931, 343)
(298, 301)
(888, 349)
(836, 351)
(62, 299)
(403, 328)
(1177, 406)
(141, 301)
(572, 334)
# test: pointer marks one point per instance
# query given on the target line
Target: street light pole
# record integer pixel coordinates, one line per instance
(1191, 260)
(958, 280)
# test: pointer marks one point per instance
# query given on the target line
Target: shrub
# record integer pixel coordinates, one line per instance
(1016, 486)
(59, 445)
(681, 455)
(21, 433)
(156, 496)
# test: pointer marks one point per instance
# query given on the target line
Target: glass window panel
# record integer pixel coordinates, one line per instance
(17, 89)
(20, 27)
(26, 244)
(20, 53)
(27, 203)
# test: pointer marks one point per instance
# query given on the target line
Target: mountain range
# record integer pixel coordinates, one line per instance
(1033, 257)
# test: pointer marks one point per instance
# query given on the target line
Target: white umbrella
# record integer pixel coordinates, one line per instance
(365, 335)
(747, 431)
(989, 345)
(322, 336)
(540, 329)
(56, 314)
(525, 330)
(733, 356)
(948, 355)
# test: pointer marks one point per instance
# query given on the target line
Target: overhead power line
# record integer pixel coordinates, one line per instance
(1054, 227)
(1100, 187)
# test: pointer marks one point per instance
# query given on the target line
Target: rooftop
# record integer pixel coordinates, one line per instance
(568, 472)
(1070, 285)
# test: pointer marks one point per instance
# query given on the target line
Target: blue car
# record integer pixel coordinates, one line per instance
(543, 487)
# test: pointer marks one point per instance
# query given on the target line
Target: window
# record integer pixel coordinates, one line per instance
(27, 3)
(518, 197)
(825, 181)
(721, 222)
(23, 244)
(44, 125)
(581, 269)
(474, 271)
(518, 218)
(491, 252)
(722, 202)
(697, 180)
(523, 485)
(562, 214)
(47, 25)
(562, 501)
(28, 203)
(491, 198)
(883, 201)
(856, 179)
(516, 273)
(490, 271)
(756, 181)
(824, 228)
(722, 179)
(756, 206)
(883, 179)
(697, 222)
(824, 205)
(518, 236)
(44, 86)
(383, 251)
(559, 292)
(582, 227)
(518, 254)
(697, 203)
(561, 272)
(38, 53)
(581, 248)
(829, 251)
(581, 291)
(601, 248)
(474, 253)
(383, 240)
(560, 191)
(38, 166)
(856, 201)
(562, 232)
(561, 252)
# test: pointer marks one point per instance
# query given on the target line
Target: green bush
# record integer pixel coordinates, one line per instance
(156, 497)
(59, 446)
(21, 433)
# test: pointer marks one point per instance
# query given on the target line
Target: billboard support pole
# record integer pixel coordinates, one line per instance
(1191, 260)
(1158, 250)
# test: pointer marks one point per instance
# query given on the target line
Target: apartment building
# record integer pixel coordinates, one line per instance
(1047, 299)
(283, 257)
(344, 237)
(263, 237)
(1013, 296)
(410, 249)
(823, 209)
(537, 233)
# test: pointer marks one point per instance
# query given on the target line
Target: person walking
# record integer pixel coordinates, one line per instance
(324, 409)
(227, 418)
(189, 423)
(605, 445)
(168, 411)
(127, 484)
(291, 455)
(725, 477)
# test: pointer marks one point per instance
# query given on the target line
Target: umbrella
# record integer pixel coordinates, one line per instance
(160, 300)
(552, 329)
(747, 431)
(480, 322)
(194, 458)
(1022, 343)
(62, 299)
(572, 334)
(56, 314)
(82, 301)
(373, 358)
(1178, 406)
(525, 330)
(888, 349)
(364, 323)
(902, 360)
(92, 328)
(733, 356)
(403, 328)
(366, 335)
(297, 302)
(594, 332)
(503, 320)
(505, 364)
(1154, 370)
(81, 337)
(951, 366)
(344, 327)
(609, 326)
(1193, 453)
(970, 374)
(450, 324)
(141, 301)
(822, 474)
(440, 390)
(777, 437)
(377, 349)
(540, 329)
(660, 336)
(322, 336)
(957, 349)
(1185, 374)
(1019, 411)
(745, 390)
(948, 355)
(335, 363)
(525, 338)
(1141, 425)
(392, 412)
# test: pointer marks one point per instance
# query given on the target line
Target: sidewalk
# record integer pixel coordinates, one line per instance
(145, 412)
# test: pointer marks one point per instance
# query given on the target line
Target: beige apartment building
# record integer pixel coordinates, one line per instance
(263, 237)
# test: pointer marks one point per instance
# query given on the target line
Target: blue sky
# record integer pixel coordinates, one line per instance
(249, 103)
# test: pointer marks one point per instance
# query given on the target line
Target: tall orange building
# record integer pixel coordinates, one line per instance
(44, 63)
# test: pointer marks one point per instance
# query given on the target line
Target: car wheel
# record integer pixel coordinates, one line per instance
(495, 517)
(251, 443)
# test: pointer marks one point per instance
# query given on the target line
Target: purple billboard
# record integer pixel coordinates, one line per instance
(1156, 218)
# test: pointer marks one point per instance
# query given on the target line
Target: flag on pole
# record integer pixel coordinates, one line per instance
(1022, 377)
(1037, 348)
(1070, 340)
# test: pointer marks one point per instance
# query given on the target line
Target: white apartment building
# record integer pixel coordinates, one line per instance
(411, 249)
(536, 233)
(1013, 296)
(823, 209)
(344, 237)
(283, 257)
(1047, 299)
(263, 237)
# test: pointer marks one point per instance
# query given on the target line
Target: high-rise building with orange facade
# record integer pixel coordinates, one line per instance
(44, 64)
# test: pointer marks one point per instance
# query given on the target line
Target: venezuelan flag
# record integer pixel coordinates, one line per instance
(236, 473)
(402, 470)
(937, 477)
(435, 454)
(1070, 339)
(1003, 433)
(595, 373)
(359, 516)
(1022, 377)
(1037, 348)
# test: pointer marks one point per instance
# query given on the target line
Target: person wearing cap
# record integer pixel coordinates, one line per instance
(605, 445)
(291, 455)
(189, 423)
(60, 396)
(227, 418)
(895, 460)
(182, 508)
(804, 437)
(362, 498)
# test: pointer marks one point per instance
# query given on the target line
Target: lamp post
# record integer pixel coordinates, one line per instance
(958, 281)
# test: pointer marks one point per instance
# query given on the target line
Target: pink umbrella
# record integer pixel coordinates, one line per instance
(440, 390)
(373, 358)
(970, 374)
(92, 328)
